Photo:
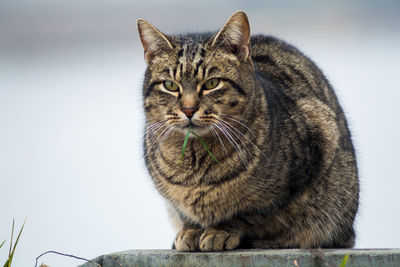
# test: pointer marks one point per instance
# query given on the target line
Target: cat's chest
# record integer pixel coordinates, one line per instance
(191, 184)
(190, 167)
(204, 205)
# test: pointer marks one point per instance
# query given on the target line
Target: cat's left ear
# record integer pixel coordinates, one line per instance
(153, 41)
(235, 35)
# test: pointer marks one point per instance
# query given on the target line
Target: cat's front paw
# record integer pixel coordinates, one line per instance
(217, 240)
(187, 240)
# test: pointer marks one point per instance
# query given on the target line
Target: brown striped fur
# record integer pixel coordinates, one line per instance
(287, 174)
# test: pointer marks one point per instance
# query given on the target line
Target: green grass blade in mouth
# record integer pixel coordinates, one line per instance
(206, 147)
(2, 243)
(185, 141)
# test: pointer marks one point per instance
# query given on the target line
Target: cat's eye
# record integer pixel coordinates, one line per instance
(171, 86)
(211, 84)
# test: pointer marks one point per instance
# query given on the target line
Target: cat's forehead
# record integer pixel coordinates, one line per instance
(187, 58)
(188, 45)
(192, 39)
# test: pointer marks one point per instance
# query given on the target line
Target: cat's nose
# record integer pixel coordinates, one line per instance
(189, 112)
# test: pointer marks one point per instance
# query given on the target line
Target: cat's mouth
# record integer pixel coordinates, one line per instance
(192, 127)
(201, 130)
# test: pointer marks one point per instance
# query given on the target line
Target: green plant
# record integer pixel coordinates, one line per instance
(12, 248)
(185, 141)
(344, 261)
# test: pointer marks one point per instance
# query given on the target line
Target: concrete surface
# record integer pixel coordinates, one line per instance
(270, 258)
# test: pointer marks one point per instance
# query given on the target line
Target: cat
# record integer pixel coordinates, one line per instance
(283, 172)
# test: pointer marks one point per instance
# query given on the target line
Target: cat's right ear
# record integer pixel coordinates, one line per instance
(153, 41)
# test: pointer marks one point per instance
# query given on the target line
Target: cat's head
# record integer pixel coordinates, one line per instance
(197, 80)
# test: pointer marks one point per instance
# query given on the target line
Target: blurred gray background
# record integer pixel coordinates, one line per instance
(71, 117)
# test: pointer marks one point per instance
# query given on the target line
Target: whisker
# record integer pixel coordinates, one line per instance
(152, 127)
(239, 132)
(153, 131)
(211, 126)
(235, 120)
(230, 129)
(233, 131)
(163, 137)
(229, 137)
(153, 142)
(247, 138)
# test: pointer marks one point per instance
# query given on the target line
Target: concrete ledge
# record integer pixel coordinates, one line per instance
(258, 257)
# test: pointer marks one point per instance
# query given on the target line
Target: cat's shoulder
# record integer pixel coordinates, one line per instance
(262, 44)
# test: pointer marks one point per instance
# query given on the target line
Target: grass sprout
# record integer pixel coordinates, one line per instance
(12, 248)
(185, 141)
(344, 261)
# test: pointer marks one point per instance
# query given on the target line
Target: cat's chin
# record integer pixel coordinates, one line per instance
(201, 131)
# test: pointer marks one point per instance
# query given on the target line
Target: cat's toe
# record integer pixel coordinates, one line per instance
(187, 240)
(217, 240)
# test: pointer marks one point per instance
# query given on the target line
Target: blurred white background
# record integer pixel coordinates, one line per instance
(71, 117)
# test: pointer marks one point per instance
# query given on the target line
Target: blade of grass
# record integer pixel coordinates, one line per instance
(344, 261)
(8, 263)
(185, 141)
(10, 257)
(2, 243)
(12, 235)
(206, 147)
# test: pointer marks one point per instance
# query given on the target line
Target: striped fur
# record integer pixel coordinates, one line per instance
(287, 174)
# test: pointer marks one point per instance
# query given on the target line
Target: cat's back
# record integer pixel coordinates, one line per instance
(292, 80)
(294, 73)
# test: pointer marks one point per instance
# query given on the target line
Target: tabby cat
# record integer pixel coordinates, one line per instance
(284, 173)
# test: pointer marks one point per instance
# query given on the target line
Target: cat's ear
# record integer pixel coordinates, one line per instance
(153, 41)
(235, 35)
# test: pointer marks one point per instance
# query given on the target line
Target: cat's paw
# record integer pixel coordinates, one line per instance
(217, 240)
(187, 240)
